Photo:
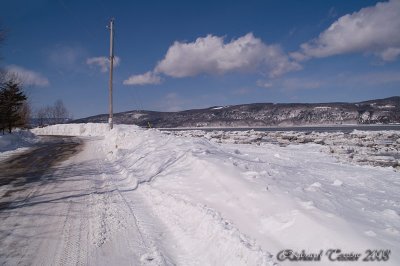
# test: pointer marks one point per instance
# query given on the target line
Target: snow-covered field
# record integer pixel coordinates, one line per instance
(199, 202)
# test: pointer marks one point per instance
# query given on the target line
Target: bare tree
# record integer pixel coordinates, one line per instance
(41, 116)
(61, 113)
(53, 114)
(45, 115)
(25, 114)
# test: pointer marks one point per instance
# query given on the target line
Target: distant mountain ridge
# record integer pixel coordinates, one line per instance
(379, 111)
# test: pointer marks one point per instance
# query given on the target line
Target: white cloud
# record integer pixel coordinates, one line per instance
(371, 30)
(102, 62)
(27, 77)
(210, 55)
(389, 54)
(143, 79)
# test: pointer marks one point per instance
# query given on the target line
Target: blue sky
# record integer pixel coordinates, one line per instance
(176, 55)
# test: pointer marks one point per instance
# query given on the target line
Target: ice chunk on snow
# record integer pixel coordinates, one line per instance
(390, 213)
(337, 183)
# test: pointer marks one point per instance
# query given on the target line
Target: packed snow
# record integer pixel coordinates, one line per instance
(227, 201)
(16, 142)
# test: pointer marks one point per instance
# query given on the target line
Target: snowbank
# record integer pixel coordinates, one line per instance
(235, 204)
(90, 129)
(17, 141)
(142, 156)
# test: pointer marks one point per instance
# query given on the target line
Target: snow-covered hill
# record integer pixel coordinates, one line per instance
(382, 111)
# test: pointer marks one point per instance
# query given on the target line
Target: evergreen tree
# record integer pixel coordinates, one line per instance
(11, 101)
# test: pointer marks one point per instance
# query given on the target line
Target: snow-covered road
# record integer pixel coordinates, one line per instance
(73, 213)
(84, 211)
(142, 197)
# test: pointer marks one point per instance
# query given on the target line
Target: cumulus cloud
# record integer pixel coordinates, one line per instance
(212, 55)
(371, 30)
(102, 62)
(143, 79)
(27, 77)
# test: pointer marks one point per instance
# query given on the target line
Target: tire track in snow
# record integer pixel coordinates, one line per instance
(183, 228)
(72, 248)
(150, 254)
(201, 235)
(65, 248)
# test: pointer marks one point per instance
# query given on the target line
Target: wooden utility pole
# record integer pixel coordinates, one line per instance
(111, 28)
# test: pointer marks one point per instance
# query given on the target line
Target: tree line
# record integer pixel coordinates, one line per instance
(52, 114)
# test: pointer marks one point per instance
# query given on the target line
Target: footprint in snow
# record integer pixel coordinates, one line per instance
(153, 257)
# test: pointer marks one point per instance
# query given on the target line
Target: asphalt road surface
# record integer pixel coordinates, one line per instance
(35, 165)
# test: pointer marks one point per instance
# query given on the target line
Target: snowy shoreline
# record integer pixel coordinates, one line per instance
(377, 148)
(286, 127)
